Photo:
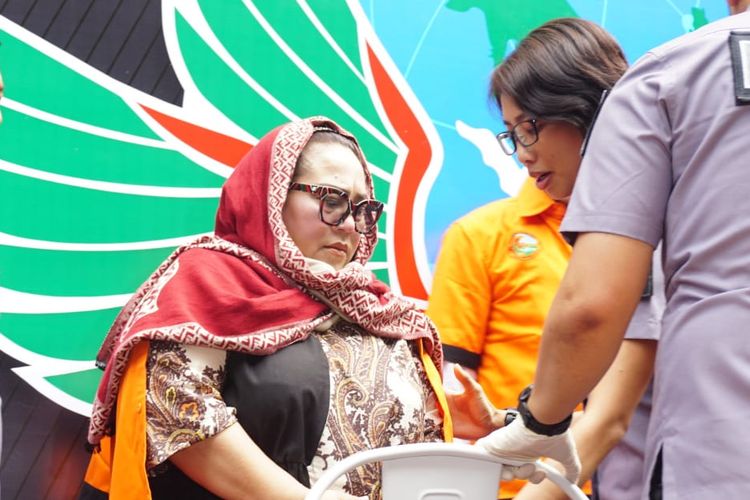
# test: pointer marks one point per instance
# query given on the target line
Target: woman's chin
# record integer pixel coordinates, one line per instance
(334, 258)
(558, 195)
(336, 263)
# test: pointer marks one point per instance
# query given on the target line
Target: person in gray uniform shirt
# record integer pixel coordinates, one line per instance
(667, 159)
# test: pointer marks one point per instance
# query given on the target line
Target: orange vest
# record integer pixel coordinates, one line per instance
(118, 466)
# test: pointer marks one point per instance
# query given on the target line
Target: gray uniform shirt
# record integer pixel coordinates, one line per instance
(621, 475)
(669, 158)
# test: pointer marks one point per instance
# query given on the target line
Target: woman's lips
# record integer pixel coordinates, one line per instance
(542, 181)
(337, 249)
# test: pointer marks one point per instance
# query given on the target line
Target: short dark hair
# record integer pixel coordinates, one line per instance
(558, 72)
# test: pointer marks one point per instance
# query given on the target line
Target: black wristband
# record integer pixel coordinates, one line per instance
(533, 424)
(510, 415)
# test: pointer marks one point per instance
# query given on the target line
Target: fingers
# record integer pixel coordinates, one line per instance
(572, 466)
(466, 380)
(525, 471)
(528, 472)
(538, 476)
(506, 474)
(461, 375)
(572, 470)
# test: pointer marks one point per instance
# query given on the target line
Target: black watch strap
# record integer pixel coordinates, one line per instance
(533, 424)
(510, 415)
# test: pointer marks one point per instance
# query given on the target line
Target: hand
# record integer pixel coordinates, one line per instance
(472, 413)
(516, 442)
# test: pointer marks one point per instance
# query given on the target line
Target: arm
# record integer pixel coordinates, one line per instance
(610, 407)
(587, 320)
(459, 304)
(581, 337)
(231, 465)
(207, 443)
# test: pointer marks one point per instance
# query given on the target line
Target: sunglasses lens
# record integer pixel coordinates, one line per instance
(366, 215)
(334, 208)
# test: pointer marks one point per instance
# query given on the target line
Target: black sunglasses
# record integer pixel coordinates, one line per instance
(335, 207)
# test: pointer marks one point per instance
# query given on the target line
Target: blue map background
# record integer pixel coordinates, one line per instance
(443, 49)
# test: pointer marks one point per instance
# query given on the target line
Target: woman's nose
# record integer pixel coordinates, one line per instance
(347, 225)
(525, 154)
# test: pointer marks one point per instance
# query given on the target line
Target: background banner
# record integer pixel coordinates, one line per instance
(122, 120)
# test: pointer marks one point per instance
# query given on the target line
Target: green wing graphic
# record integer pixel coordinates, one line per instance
(251, 65)
(100, 182)
(93, 198)
(258, 65)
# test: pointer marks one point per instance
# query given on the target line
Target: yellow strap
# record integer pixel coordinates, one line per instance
(436, 381)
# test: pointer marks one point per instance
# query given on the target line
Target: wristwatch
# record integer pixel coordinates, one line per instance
(510, 415)
(533, 424)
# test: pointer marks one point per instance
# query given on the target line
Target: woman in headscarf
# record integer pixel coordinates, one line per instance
(254, 359)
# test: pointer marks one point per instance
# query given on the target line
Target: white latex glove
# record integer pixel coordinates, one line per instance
(516, 442)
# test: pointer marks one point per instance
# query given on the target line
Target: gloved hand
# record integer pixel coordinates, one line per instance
(516, 442)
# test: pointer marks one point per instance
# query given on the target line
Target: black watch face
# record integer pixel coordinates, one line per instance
(525, 394)
(510, 416)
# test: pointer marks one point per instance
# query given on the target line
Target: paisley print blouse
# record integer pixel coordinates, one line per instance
(379, 396)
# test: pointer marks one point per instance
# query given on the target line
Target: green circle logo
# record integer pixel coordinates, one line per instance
(523, 245)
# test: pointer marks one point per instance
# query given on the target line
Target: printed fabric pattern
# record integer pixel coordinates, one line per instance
(183, 399)
(380, 396)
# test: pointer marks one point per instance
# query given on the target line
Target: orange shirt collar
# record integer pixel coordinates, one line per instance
(533, 201)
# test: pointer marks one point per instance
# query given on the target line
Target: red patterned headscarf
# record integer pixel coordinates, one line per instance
(248, 288)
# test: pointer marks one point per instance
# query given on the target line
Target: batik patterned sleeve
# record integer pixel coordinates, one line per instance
(183, 398)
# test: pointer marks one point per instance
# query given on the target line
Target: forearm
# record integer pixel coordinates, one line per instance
(610, 407)
(231, 465)
(571, 361)
(587, 321)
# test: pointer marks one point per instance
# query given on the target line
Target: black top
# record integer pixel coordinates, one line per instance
(282, 402)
